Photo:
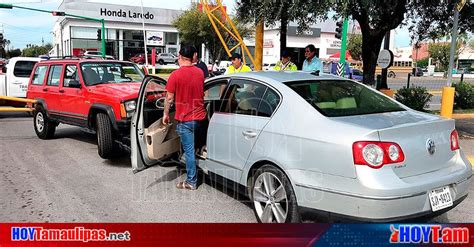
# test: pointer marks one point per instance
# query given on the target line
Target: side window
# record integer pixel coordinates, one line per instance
(269, 103)
(243, 97)
(40, 74)
(23, 68)
(70, 74)
(54, 75)
(215, 91)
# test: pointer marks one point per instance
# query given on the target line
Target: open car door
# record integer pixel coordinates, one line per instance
(151, 141)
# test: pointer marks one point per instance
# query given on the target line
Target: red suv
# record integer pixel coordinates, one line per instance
(99, 95)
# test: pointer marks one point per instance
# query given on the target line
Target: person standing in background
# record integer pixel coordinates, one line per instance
(311, 63)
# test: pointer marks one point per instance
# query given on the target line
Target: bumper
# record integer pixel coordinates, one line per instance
(379, 195)
(375, 209)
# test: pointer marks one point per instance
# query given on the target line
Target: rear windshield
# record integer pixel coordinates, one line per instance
(104, 73)
(337, 98)
(23, 68)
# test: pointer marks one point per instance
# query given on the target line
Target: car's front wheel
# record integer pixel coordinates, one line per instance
(105, 138)
(44, 127)
(274, 200)
(391, 74)
(161, 62)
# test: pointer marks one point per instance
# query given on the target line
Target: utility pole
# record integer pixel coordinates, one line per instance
(447, 99)
(144, 36)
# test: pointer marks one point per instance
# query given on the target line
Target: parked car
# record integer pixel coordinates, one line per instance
(298, 142)
(357, 75)
(165, 58)
(267, 66)
(96, 54)
(417, 72)
(139, 58)
(16, 76)
(99, 95)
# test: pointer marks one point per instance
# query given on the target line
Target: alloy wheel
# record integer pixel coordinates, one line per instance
(270, 198)
(39, 122)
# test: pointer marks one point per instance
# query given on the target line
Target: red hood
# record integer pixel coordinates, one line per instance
(122, 91)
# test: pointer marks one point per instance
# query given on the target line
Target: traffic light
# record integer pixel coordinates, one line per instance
(339, 30)
(99, 34)
(58, 13)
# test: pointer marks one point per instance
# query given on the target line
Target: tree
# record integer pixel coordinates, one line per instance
(354, 45)
(14, 53)
(282, 12)
(35, 50)
(440, 53)
(434, 19)
(195, 28)
(375, 18)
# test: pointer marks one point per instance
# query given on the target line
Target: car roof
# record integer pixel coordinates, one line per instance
(82, 60)
(284, 76)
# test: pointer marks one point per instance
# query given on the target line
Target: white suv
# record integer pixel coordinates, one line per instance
(165, 58)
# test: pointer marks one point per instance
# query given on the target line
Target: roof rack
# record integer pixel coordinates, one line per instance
(59, 57)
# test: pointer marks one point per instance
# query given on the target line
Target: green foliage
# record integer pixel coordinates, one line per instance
(416, 98)
(440, 53)
(354, 45)
(34, 50)
(195, 28)
(14, 53)
(464, 96)
(422, 63)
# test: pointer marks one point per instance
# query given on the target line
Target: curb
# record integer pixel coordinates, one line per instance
(463, 115)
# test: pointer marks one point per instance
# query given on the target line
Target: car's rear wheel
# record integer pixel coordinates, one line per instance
(44, 127)
(274, 200)
(105, 138)
(391, 74)
(161, 62)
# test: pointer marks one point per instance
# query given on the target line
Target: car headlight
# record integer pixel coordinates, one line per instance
(130, 106)
(127, 109)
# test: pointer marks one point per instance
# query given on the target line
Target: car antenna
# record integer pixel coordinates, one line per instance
(316, 73)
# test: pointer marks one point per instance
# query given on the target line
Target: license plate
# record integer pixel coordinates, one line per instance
(440, 198)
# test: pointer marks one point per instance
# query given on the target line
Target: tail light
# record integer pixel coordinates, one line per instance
(377, 154)
(454, 140)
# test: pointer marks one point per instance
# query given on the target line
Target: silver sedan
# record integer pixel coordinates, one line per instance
(301, 142)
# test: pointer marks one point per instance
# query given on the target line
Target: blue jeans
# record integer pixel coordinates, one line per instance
(187, 131)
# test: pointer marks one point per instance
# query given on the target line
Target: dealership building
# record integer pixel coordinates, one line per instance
(124, 33)
(124, 29)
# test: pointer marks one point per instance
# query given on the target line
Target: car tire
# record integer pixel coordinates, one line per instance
(270, 207)
(44, 127)
(391, 74)
(105, 138)
(161, 62)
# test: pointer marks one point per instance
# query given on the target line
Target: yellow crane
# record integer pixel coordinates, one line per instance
(218, 17)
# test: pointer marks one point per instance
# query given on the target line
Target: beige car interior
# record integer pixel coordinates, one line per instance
(162, 140)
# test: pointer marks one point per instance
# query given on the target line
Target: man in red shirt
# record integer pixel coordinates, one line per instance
(185, 88)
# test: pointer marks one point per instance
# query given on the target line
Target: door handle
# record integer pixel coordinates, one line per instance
(45, 89)
(249, 134)
(61, 91)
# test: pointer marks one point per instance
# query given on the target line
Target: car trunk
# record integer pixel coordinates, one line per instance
(413, 140)
(412, 130)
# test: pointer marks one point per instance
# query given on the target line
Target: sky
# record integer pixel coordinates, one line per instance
(24, 27)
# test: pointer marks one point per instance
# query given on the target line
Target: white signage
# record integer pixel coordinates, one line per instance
(334, 43)
(155, 38)
(385, 59)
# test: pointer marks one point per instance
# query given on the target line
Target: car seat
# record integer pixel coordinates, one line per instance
(91, 77)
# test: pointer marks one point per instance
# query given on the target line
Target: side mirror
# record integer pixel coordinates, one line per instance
(74, 84)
